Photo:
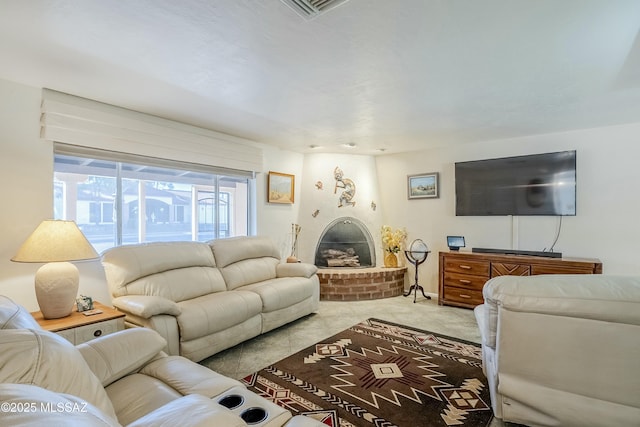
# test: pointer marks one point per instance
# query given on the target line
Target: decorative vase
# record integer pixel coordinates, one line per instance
(390, 260)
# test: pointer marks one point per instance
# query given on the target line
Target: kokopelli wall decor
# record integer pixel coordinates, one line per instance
(346, 197)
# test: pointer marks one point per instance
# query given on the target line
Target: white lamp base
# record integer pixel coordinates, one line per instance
(57, 288)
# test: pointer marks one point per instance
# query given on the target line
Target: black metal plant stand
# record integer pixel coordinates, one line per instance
(416, 258)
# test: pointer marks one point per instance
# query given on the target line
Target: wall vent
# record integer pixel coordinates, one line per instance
(310, 9)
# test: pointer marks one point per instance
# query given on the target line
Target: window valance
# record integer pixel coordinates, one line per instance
(86, 123)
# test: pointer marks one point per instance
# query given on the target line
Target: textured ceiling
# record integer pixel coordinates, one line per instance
(397, 75)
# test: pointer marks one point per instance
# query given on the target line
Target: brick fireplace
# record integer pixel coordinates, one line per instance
(352, 284)
(345, 257)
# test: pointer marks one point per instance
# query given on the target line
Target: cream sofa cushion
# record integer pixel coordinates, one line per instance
(179, 285)
(585, 296)
(234, 249)
(200, 411)
(249, 271)
(216, 312)
(130, 262)
(245, 260)
(47, 360)
(46, 407)
(281, 293)
(136, 395)
(173, 270)
(189, 378)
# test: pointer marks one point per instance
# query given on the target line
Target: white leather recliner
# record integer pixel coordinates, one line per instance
(562, 350)
(120, 379)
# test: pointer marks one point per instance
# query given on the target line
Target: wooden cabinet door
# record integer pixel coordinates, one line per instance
(503, 269)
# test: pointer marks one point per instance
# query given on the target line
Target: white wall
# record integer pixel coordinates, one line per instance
(320, 168)
(608, 201)
(26, 195)
(26, 172)
(275, 219)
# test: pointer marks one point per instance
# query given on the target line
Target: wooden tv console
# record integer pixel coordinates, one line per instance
(463, 274)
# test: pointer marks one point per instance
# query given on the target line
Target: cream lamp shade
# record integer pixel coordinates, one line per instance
(56, 242)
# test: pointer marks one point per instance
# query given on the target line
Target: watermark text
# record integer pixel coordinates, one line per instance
(39, 407)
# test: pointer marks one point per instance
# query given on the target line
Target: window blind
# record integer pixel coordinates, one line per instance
(84, 123)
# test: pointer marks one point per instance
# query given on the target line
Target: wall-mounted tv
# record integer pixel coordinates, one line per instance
(538, 184)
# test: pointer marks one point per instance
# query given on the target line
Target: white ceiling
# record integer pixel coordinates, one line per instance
(398, 75)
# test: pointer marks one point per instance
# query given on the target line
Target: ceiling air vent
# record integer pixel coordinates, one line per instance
(310, 9)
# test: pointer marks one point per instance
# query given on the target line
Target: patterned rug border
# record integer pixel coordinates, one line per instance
(417, 329)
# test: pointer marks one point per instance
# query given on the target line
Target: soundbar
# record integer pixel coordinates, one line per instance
(517, 252)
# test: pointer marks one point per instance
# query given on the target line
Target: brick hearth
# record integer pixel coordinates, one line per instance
(355, 284)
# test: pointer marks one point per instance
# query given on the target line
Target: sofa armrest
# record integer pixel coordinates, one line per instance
(479, 312)
(115, 355)
(164, 324)
(295, 269)
(146, 306)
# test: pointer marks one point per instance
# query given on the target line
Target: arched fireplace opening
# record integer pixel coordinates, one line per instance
(346, 242)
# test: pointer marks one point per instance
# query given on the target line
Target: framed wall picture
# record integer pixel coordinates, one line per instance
(423, 186)
(280, 187)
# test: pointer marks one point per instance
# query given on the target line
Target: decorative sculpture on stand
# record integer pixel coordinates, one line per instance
(417, 254)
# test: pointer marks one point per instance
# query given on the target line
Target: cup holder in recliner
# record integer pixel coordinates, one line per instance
(231, 401)
(253, 415)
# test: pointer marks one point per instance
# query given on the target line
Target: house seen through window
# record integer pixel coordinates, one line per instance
(116, 203)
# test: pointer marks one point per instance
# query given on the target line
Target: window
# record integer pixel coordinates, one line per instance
(116, 202)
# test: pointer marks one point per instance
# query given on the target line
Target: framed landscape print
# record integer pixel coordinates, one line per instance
(280, 187)
(423, 186)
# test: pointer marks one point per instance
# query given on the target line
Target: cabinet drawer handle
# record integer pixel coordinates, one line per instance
(97, 333)
(465, 267)
(465, 296)
(466, 282)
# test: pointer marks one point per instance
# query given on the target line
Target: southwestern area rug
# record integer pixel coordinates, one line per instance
(378, 373)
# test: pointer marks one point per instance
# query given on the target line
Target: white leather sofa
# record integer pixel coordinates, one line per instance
(119, 379)
(206, 297)
(562, 350)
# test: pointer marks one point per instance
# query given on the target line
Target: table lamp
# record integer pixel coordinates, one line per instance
(56, 242)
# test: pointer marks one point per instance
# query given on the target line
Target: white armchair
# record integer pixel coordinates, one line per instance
(562, 350)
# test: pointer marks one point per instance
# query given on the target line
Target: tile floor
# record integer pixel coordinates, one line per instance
(334, 317)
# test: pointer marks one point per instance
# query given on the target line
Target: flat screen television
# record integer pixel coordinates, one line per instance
(537, 184)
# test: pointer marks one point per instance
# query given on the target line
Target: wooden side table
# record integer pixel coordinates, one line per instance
(79, 328)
